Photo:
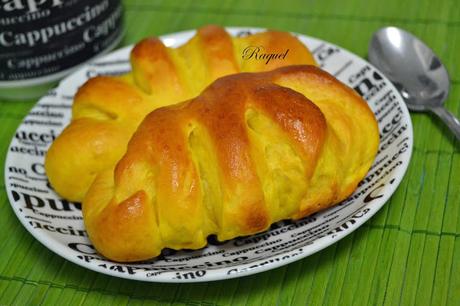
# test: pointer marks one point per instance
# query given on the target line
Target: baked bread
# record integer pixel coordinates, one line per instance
(107, 110)
(252, 149)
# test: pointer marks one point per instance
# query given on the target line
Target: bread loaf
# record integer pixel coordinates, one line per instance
(252, 149)
(107, 110)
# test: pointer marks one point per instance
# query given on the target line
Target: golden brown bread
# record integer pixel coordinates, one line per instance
(252, 149)
(107, 110)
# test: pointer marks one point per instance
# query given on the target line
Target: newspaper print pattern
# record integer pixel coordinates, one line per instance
(58, 223)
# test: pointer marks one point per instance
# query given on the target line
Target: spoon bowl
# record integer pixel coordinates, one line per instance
(415, 70)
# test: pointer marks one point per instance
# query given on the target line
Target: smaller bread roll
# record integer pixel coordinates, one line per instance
(107, 110)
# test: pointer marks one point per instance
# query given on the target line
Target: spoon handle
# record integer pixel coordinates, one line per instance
(452, 122)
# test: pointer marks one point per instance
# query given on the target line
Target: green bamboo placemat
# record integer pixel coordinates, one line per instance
(408, 254)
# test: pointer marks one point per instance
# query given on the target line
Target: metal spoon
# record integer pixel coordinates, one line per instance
(415, 70)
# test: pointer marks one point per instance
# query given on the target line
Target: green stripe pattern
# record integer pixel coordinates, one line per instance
(407, 254)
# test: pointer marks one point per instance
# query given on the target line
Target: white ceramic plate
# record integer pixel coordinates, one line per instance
(58, 224)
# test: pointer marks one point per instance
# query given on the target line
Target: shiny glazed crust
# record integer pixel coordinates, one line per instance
(107, 110)
(252, 149)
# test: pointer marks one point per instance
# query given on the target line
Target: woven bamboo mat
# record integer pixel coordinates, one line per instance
(407, 254)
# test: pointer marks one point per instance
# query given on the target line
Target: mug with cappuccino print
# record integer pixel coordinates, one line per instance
(41, 41)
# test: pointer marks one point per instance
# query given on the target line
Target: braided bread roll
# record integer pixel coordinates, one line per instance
(252, 149)
(107, 110)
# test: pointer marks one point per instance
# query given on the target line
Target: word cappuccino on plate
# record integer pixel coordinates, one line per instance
(258, 53)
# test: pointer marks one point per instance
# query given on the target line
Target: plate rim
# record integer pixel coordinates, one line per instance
(320, 243)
